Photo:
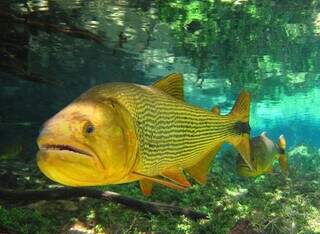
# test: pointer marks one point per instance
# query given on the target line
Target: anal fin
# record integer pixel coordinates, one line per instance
(175, 174)
(146, 186)
(200, 171)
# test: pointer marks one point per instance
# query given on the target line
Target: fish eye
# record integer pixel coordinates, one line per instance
(88, 128)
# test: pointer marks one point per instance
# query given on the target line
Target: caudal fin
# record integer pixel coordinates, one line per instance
(241, 108)
(240, 112)
(283, 161)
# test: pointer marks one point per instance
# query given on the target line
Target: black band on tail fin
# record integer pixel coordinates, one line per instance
(241, 127)
(240, 113)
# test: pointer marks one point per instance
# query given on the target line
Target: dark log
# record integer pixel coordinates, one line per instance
(30, 196)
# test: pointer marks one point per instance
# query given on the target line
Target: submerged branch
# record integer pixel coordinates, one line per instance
(63, 193)
(49, 27)
(11, 65)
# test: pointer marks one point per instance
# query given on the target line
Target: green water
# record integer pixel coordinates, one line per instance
(270, 48)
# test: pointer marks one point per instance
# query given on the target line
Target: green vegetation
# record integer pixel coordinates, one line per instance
(272, 203)
(270, 47)
(247, 42)
(23, 221)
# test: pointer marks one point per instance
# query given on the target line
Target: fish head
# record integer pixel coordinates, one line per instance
(88, 143)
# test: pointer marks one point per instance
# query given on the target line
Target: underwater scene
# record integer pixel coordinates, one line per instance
(141, 116)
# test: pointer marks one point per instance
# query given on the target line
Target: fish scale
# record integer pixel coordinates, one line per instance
(169, 131)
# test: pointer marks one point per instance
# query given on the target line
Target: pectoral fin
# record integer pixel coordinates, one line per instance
(158, 180)
(146, 186)
(175, 174)
(200, 171)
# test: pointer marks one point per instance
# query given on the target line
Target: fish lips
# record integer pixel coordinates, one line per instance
(64, 148)
(69, 165)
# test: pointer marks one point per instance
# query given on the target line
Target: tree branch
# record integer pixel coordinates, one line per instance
(48, 27)
(64, 193)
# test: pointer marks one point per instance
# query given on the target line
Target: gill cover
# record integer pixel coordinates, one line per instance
(121, 144)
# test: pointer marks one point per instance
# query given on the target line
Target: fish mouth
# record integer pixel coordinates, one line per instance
(62, 147)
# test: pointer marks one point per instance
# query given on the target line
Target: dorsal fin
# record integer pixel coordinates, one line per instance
(171, 84)
(215, 110)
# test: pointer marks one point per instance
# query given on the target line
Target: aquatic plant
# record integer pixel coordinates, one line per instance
(272, 203)
(19, 220)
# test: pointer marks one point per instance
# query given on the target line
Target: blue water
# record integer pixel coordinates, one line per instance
(294, 115)
(284, 84)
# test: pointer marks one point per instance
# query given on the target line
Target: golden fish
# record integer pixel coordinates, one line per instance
(122, 132)
(263, 154)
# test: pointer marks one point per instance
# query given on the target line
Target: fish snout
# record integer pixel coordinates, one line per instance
(53, 128)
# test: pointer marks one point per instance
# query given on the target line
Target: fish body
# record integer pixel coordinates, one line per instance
(263, 153)
(123, 132)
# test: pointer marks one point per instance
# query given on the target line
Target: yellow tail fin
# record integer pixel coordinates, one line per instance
(240, 112)
(283, 161)
(241, 108)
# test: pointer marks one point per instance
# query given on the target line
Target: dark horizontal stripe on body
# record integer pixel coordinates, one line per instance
(169, 130)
